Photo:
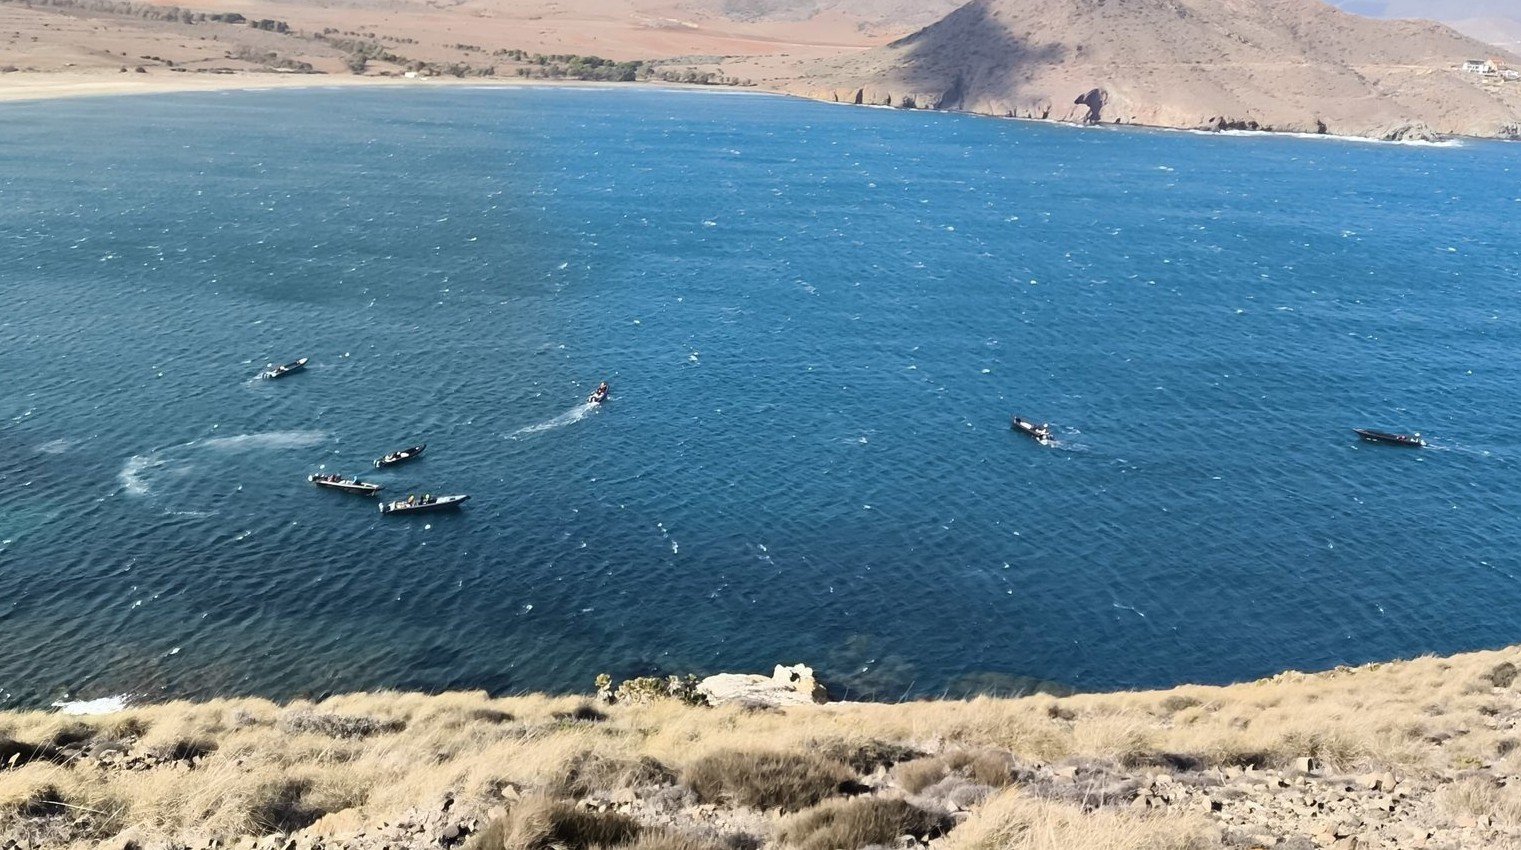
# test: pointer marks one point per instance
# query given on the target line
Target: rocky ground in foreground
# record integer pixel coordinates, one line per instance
(1417, 754)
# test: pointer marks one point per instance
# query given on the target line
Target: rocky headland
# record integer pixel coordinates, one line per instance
(1412, 754)
(1297, 66)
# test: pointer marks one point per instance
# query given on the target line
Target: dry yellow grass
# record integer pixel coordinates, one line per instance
(258, 771)
(1012, 821)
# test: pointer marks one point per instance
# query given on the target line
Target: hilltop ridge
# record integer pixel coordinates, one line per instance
(1292, 65)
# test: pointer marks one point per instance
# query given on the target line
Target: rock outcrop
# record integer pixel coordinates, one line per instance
(795, 685)
(1409, 131)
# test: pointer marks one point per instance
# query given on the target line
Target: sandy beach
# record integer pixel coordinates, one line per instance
(49, 86)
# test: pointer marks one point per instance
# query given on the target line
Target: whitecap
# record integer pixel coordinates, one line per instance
(131, 475)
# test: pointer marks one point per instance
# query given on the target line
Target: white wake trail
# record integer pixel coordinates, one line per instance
(137, 473)
(569, 417)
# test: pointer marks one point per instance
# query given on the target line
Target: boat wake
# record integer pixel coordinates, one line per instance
(569, 417)
(140, 472)
(265, 440)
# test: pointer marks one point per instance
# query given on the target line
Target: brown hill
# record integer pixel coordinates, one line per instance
(897, 16)
(1502, 32)
(1295, 65)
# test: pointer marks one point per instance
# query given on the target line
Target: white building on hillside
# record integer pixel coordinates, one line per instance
(1487, 67)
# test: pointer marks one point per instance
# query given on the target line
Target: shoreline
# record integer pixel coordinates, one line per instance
(35, 87)
(45, 86)
(1443, 140)
(103, 704)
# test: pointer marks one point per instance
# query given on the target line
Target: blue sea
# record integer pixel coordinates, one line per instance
(816, 321)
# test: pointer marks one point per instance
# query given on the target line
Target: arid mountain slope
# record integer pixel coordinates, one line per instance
(1501, 32)
(876, 16)
(1297, 65)
(83, 36)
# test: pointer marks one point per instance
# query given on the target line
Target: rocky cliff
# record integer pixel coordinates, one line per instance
(1288, 65)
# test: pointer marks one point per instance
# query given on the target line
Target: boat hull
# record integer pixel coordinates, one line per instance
(400, 457)
(361, 488)
(282, 371)
(1040, 433)
(442, 503)
(1412, 441)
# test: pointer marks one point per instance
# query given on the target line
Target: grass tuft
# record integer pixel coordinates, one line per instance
(307, 722)
(858, 822)
(865, 756)
(589, 772)
(1012, 821)
(541, 823)
(666, 839)
(790, 781)
(1502, 675)
(1477, 797)
(583, 713)
(919, 774)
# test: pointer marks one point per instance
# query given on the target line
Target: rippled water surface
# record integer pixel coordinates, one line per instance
(816, 321)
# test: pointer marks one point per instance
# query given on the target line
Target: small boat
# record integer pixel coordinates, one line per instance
(399, 457)
(338, 482)
(1412, 440)
(1041, 433)
(422, 504)
(599, 395)
(271, 371)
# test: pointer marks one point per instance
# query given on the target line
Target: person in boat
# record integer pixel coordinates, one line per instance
(602, 388)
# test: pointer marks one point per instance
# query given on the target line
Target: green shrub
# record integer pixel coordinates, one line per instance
(766, 780)
(645, 689)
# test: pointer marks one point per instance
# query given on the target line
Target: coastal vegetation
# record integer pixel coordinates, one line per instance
(1381, 754)
(153, 12)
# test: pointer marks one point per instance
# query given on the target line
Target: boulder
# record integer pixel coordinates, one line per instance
(795, 685)
(342, 823)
